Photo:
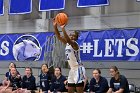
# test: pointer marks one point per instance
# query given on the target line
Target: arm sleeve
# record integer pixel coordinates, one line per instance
(62, 85)
(91, 85)
(52, 85)
(7, 74)
(111, 83)
(32, 85)
(40, 81)
(20, 82)
(23, 83)
(123, 82)
(103, 86)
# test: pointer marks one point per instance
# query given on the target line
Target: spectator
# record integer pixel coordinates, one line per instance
(45, 78)
(8, 74)
(98, 84)
(11, 65)
(57, 82)
(118, 83)
(28, 80)
(14, 82)
(15, 79)
(6, 82)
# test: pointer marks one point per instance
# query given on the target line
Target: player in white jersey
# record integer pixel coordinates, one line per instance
(77, 72)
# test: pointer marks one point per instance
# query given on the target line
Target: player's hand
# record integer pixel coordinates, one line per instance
(18, 76)
(49, 91)
(4, 88)
(66, 82)
(63, 26)
(54, 22)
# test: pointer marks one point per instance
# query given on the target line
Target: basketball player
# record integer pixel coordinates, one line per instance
(77, 71)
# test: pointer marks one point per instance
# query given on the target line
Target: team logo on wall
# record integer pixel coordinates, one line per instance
(27, 48)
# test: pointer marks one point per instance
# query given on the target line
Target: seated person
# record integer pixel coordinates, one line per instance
(57, 82)
(20, 90)
(118, 82)
(45, 78)
(28, 80)
(11, 65)
(15, 79)
(7, 75)
(13, 83)
(98, 84)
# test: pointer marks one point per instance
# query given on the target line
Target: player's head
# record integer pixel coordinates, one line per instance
(96, 73)
(44, 68)
(74, 35)
(114, 71)
(28, 71)
(57, 71)
(13, 72)
(12, 65)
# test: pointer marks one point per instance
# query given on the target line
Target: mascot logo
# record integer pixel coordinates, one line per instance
(26, 48)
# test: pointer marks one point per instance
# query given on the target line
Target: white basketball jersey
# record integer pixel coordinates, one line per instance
(72, 56)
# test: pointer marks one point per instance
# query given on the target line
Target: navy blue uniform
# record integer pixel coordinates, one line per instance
(120, 83)
(57, 85)
(45, 81)
(29, 83)
(7, 74)
(99, 87)
(15, 82)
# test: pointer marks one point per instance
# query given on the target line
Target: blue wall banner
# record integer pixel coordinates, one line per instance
(47, 5)
(20, 6)
(110, 45)
(23, 47)
(1, 7)
(89, 3)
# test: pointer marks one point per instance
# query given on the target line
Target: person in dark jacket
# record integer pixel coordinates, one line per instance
(45, 78)
(11, 65)
(13, 83)
(28, 80)
(15, 80)
(8, 74)
(118, 82)
(98, 84)
(57, 82)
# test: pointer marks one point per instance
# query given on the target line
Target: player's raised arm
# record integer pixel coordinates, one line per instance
(72, 40)
(61, 38)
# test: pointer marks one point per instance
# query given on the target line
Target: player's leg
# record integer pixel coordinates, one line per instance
(80, 79)
(71, 88)
(71, 82)
(8, 90)
(80, 87)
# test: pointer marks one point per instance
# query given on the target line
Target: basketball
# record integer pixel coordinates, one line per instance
(61, 19)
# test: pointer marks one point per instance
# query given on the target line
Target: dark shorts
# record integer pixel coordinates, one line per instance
(76, 85)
